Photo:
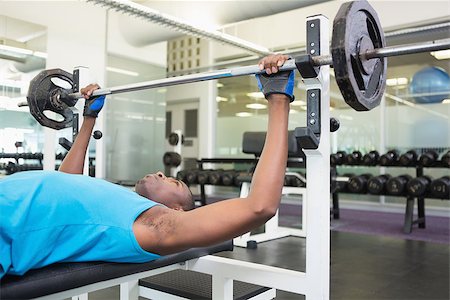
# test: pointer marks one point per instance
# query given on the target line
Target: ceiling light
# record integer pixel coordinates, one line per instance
(16, 50)
(221, 99)
(396, 81)
(161, 91)
(122, 71)
(257, 95)
(243, 114)
(40, 54)
(443, 54)
(19, 52)
(256, 106)
(298, 103)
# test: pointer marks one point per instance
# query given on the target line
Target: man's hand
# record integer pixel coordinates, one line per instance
(273, 83)
(93, 105)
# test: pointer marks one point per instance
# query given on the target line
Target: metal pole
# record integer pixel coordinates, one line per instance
(240, 71)
(408, 49)
(437, 45)
(252, 70)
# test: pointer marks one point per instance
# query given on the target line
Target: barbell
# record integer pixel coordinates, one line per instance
(358, 56)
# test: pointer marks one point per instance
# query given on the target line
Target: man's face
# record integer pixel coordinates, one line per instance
(165, 190)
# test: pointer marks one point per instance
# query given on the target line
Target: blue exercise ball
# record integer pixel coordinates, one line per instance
(430, 80)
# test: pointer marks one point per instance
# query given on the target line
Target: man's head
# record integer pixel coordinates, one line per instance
(172, 193)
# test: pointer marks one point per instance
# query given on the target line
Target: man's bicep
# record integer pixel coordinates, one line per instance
(212, 223)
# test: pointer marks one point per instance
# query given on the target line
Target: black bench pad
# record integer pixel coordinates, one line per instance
(65, 276)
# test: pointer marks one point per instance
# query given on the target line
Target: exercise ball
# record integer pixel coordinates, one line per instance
(430, 80)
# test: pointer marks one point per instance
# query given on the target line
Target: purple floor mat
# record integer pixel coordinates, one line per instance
(391, 224)
(376, 223)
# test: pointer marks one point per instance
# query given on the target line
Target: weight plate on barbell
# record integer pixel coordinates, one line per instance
(44, 95)
(356, 29)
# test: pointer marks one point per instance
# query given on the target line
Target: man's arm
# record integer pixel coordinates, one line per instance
(174, 231)
(74, 161)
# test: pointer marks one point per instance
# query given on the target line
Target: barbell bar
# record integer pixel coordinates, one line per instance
(289, 65)
(358, 51)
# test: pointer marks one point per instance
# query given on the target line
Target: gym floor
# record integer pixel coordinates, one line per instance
(362, 267)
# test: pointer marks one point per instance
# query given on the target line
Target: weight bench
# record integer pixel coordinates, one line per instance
(65, 280)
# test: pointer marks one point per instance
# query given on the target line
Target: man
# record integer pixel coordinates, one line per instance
(49, 217)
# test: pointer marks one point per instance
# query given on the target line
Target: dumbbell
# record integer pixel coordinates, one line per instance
(389, 158)
(408, 159)
(11, 168)
(39, 156)
(440, 188)
(396, 186)
(181, 175)
(358, 184)
(371, 158)
(446, 159)
(428, 158)
(174, 139)
(341, 182)
(377, 184)
(171, 159)
(191, 176)
(418, 186)
(334, 124)
(228, 177)
(353, 158)
(244, 177)
(215, 177)
(337, 158)
(60, 156)
(97, 134)
(202, 176)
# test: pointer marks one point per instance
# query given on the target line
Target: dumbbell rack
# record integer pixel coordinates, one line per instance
(292, 163)
(202, 161)
(409, 210)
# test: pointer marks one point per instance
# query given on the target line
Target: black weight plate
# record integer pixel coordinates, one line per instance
(42, 97)
(356, 29)
(173, 139)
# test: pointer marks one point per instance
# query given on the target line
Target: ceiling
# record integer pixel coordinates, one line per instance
(211, 15)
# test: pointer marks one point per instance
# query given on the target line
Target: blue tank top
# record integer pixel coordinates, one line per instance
(48, 217)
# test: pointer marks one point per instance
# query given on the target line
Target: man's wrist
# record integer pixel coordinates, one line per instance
(278, 97)
(89, 118)
(89, 121)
